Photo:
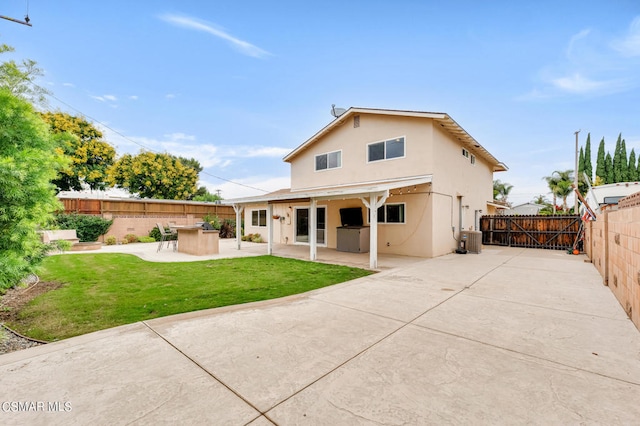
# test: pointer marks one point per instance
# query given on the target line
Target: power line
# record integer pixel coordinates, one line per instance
(141, 145)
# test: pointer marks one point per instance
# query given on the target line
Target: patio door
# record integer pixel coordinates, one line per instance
(302, 225)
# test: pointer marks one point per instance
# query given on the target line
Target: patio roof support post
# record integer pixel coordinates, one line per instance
(373, 203)
(269, 229)
(313, 232)
(238, 209)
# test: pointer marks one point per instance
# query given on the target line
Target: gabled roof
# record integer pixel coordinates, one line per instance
(440, 118)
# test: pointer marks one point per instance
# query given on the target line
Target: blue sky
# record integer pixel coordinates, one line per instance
(237, 85)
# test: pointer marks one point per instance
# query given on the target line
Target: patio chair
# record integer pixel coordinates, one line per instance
(165, 236)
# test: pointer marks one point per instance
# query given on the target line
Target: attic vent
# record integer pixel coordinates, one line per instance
(356, 121)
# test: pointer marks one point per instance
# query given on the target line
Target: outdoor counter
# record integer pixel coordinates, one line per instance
(197, 241)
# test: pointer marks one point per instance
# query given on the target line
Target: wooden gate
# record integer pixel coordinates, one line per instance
(547, 232)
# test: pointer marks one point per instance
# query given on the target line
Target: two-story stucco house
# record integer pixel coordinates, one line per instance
(388, 181)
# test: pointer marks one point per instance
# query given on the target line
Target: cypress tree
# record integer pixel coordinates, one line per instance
(616, 175)
(632, 172)
(580, 163)
(588, 166)
(600, 171)
(624, 168)
(608, 169)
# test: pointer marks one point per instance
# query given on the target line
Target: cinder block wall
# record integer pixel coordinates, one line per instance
(141, 225)
(613, 245)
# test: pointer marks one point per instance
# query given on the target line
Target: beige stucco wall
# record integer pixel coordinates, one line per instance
(353, 143)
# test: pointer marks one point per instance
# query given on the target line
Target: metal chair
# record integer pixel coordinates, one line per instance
(165, 236)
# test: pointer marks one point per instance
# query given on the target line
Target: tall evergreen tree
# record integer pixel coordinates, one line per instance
(624, 168)
(588, 166)
(581, 162)
(600, 171)
(617, 164)
(608, 169)
(632, 171)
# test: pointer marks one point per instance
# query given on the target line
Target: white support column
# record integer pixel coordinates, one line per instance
(375, 201)
(238, 209)
(313, 231)
(269, 229)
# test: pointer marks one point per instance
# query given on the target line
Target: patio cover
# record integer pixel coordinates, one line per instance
(372, 194)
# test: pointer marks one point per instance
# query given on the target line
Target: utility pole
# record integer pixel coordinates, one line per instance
(575, 175)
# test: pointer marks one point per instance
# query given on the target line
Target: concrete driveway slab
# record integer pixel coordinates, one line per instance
(570, 291)
(119, 376)
(420, 377)
(270, 352)
(576, 340)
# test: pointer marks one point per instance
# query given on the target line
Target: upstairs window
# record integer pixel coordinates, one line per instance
(330, 160)
(473, 159)
(465, 153)
(385, 150)
(259, 218)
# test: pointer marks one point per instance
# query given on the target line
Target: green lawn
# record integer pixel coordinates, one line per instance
(106, 290)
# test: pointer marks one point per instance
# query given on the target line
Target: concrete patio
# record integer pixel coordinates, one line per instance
(510, 336)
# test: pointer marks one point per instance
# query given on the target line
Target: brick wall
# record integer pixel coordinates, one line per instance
(612, 243)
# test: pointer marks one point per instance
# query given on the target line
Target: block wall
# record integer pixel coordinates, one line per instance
(613, 245)
(141, 225)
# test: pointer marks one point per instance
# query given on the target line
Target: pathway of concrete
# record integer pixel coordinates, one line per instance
(510, 336)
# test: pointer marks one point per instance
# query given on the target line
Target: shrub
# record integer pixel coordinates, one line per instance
(131, 238)
(110, 240)
(257, 238)
(147, 239)
(88, 227)
(228, 229)
(61, 245)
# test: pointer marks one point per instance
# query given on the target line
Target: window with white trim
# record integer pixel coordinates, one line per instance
(385, 150)
(390, 213)
(259, 218)
(473, 159)
(465, 153)
(329, 160)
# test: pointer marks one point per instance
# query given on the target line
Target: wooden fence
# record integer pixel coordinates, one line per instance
(547, 232)
(133, 207)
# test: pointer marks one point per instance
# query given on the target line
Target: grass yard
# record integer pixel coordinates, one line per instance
(105, 290)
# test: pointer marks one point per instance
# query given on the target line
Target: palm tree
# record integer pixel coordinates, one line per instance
(501, 190)
(540, 199)
(560, 185)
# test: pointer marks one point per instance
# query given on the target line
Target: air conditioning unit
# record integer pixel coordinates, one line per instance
(473, 241)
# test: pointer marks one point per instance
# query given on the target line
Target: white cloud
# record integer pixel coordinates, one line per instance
(575, 38)
(169, 96)
(133, 97)
(630, 45)
(105, 98)
(111, 98)
(231, 190)
(242, 46)
(577, 83)
(68, 84)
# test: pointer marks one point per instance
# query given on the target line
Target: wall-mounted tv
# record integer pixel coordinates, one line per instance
(351, 216)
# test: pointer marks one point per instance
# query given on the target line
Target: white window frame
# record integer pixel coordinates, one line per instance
(259, 211)
(473, 160)
(465, 153)
(315, 161)
(386, 214)
(404, 149)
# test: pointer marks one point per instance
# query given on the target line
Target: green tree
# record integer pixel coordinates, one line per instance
(632, 171)
(90, 155)
(560, 185)
(19, 78)
(151, 175)
(608, 169)
(600, 163)
(624, 168)
(501, 190)
(203, 194)
(581, 162)
(28, 163)
(588, 166)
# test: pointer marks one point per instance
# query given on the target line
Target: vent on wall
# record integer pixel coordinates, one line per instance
(356, 121)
